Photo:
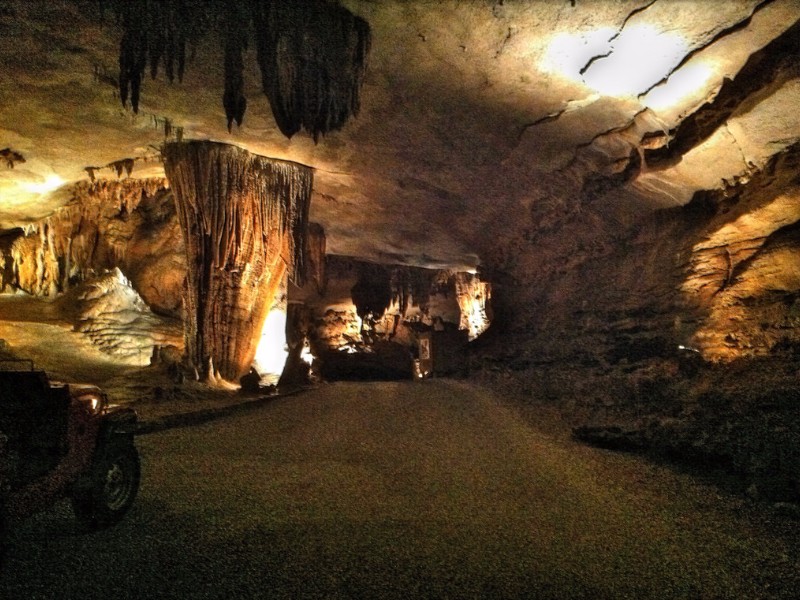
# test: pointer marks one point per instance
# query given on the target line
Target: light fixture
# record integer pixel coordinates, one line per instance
(271, 353)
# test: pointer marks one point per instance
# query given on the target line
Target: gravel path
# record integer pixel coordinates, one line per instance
(433, 489)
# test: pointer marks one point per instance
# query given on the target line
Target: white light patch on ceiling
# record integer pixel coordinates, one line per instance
(50, 183)
(640, 57)
(568, 53)
(682, 85)
(627, 64)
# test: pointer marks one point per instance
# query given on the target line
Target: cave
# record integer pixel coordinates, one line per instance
(591, 208)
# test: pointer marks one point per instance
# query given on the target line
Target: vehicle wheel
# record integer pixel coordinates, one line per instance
(112, 488)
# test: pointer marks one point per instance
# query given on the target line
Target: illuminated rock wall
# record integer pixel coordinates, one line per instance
(719, 274)
(244, 220)
(128, 224)
(366, 305)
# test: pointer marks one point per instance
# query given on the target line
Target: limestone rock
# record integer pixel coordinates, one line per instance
(129, 224)
(113, 315)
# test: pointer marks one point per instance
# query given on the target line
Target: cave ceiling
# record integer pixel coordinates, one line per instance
(475, 116)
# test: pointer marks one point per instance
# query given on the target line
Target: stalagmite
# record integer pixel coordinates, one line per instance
(315, 257)
(244, 219)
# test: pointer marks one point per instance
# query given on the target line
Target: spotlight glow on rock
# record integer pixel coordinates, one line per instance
(272, 353)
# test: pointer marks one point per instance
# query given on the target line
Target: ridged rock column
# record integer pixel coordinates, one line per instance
(244, 219)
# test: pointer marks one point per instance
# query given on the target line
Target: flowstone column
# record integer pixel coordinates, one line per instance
(244, 219)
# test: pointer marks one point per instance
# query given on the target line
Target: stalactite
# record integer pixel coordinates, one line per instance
(411, 285)
(92, 232)
(11, 157)
(244, 219)
(312, 54)
(311, 73)
(235, 43)
(154, 32)
(372, 293)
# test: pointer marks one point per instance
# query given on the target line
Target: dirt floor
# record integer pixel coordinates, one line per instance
(432, 489)
(436, 489)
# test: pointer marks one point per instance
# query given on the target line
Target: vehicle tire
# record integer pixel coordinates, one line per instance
(113, 485)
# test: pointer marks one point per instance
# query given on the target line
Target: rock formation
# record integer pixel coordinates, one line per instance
(624, 174)
(116, 319)
(312, 55)
(368, 317)
(129, 224)
(244, 220)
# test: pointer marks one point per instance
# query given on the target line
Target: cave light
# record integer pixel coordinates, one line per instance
(271, 353)
(681, 85)
(614, 65)
(475, 320)
(305, 353)
(50, 183)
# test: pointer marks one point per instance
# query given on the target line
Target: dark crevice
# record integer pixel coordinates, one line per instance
(596, 185)
(545, 119)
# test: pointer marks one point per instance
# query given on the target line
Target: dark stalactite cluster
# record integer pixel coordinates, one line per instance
(154, 32)
(313, 59)
(235, 44)
(11, 157)
(372, 293)
(312, 54)
(316, 243)
(379, 286)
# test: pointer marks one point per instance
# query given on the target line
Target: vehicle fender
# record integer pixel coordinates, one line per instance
(119, 424)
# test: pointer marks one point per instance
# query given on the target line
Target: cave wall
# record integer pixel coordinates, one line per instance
(679, 336)
(129, 224)
(374, 313)
(719, 275)
(403, 299)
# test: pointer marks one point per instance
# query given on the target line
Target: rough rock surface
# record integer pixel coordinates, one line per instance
(129, 224)
(364, 302)
(368, 317)
(244, 220)
(110, 312)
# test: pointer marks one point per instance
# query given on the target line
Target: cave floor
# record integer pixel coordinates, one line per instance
(430, 489)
